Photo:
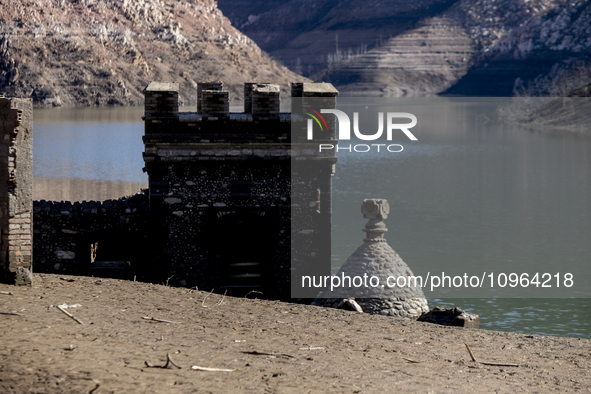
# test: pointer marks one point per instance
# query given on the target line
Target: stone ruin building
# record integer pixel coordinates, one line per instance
(376, 258)
(224, 189)
(235, 203)
(16, 190)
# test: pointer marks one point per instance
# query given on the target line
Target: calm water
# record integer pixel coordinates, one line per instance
(87, 153)
(481, 195)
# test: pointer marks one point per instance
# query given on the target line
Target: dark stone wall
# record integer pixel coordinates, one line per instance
(72, 238)
(223, 225)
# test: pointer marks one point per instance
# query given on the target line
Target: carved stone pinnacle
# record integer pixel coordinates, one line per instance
(375, 209)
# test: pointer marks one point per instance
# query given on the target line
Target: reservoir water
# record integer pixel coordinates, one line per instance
(471, 192)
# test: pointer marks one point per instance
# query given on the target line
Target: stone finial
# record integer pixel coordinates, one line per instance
(376, 210)
(161, 100)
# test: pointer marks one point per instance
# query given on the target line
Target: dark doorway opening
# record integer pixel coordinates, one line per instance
(244, 247)
(110, 254)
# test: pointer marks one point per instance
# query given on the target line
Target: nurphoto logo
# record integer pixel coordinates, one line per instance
(344, 130)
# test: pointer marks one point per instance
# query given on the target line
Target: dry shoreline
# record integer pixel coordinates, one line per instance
(271, 346)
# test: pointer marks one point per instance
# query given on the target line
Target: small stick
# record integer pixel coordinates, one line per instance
(470, 351)
(488, 363)
(311, 348)
(6, 292)
(160, 320)
(498, 364)
(198, 368)
(252, 291)
(168, 361)
(257, 353)
(222, 300)
(11, 313)
(203, 302)
(411, 361)
(69, 315)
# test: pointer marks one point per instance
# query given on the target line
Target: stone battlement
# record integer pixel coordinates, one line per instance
(261, 102)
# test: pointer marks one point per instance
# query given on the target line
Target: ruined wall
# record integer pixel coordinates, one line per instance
(72, 238)
(16, 189)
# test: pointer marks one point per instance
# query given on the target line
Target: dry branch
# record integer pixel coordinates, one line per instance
(252, 291)
(6, 292)
(257, 353)
(198, 368)
(223, 297)
(411, 361)
(69, 315)
(11, 313)
(160, 320)
(168, 362)
(203, 302)
(489, 363)
(470, 352)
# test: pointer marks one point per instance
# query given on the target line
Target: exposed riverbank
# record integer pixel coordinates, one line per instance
(271, 346)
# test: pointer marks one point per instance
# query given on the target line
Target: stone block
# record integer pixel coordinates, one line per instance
(265, 102)
(451, 317)
(215, 105)
(201, 86)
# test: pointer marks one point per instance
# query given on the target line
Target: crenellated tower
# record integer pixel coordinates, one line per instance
(222, 193)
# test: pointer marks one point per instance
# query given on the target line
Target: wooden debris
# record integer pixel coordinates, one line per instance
(6, 292)
(203, 302)
(257, 353)
(11, 313)
(198, 368)
(69, 315)
(160, 320)
(411, 361)
(470, 352)
(223, 297)
(68, 279)
(168, 362)
(311, 348)
(252, 291)
(488, 363)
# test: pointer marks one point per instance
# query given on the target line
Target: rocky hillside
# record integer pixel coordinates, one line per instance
(548, 53)
(474, 47)
(104, 52)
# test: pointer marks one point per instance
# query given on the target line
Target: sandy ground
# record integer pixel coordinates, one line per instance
(271, 347)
